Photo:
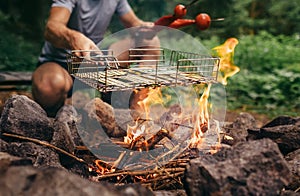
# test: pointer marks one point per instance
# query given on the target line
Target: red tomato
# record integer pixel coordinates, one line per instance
(180, 11)
(203, 21)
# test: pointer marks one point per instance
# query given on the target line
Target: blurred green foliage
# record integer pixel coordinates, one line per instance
(16, 52)
(269, 80)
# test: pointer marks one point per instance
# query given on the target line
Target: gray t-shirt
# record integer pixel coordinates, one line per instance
(91, 17)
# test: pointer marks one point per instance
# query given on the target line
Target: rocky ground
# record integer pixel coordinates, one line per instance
(40, 154)
(230, 115)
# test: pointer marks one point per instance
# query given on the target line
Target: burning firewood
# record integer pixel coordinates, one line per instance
(140, 144)
(169, 175)
(150, 143)
(132, 145)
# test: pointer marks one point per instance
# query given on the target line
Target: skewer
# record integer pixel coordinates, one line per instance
(218, 19)
(179, 23)
(191, 3)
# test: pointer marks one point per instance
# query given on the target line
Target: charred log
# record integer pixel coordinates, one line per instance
(150, 143)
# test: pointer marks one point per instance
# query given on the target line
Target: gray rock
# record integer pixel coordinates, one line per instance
(26, 180)
(287, 137)
(40, 156)
(25, 117)
(248, 168)
(282, 120)
(3, 145)
(238, 129)
(7, 160)
(293, 160)
(179, 192)
(65, 134)
(103, 113)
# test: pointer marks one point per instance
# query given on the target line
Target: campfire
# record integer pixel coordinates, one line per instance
(165, 138)
(160, 134)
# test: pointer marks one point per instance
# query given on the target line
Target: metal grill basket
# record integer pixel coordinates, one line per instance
(146, 67)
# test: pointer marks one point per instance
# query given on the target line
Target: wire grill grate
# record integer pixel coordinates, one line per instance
(102, 71)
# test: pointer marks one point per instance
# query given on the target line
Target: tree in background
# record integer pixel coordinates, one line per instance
(285, 17)
(26, 18)
(22, 21)
(241, 17)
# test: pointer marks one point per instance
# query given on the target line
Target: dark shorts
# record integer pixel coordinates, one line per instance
(62, 64)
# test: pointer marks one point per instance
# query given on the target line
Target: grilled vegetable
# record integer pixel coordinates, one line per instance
(179, 11)
(203, 21)
(181, 23)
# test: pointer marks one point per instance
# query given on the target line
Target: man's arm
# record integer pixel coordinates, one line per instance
(61, 36)
(131, 20)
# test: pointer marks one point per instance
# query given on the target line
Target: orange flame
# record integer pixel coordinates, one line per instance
(141, 102)
(226, 52)
(200, 117)
(134, 132)
(227, 68)
(144, 98)
(103, 167)
(201, 121)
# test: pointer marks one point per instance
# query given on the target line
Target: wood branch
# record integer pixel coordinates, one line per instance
(132, 145)
(152, 141)
(143, 172)
(117, 162)
(149, 144)
(164, 177)
(171, 182)
(43, 143)
(163, 181)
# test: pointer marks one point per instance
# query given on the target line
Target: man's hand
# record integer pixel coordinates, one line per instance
(61, 36)
(81, 44)
(145, 31)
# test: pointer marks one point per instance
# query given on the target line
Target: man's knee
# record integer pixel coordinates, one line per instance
(50, 85)
(51, 78)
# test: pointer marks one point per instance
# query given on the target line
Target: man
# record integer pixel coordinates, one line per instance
(73, 25)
